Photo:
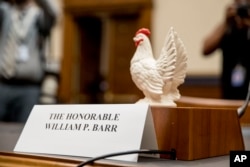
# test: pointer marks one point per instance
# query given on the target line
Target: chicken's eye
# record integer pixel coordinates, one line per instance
(138, 42)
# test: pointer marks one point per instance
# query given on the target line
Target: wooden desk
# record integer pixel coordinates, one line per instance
(19, 160)
(196, 132)
(187, 101)
(7, 158)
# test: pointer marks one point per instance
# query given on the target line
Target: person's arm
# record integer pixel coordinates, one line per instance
(1, 15)
(51, 13)
(212, 41)
(3, 7)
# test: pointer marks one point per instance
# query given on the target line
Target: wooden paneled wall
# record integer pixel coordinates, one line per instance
(81, 64)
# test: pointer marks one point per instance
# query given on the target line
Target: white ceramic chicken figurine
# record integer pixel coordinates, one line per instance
(159, 77)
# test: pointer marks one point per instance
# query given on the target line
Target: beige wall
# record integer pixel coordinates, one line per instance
(192, 19)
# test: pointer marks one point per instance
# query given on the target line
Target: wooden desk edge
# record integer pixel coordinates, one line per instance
(8, 159)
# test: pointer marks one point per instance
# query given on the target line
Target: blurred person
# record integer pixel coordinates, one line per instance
(25, 25)
(232, 36)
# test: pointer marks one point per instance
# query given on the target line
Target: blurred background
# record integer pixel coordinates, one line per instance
(93, 46)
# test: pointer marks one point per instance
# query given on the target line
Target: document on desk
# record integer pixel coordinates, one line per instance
(88, 130)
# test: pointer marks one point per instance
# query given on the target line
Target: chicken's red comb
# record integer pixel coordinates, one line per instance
(143, 31)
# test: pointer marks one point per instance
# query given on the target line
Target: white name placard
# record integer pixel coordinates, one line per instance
(88, 130)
